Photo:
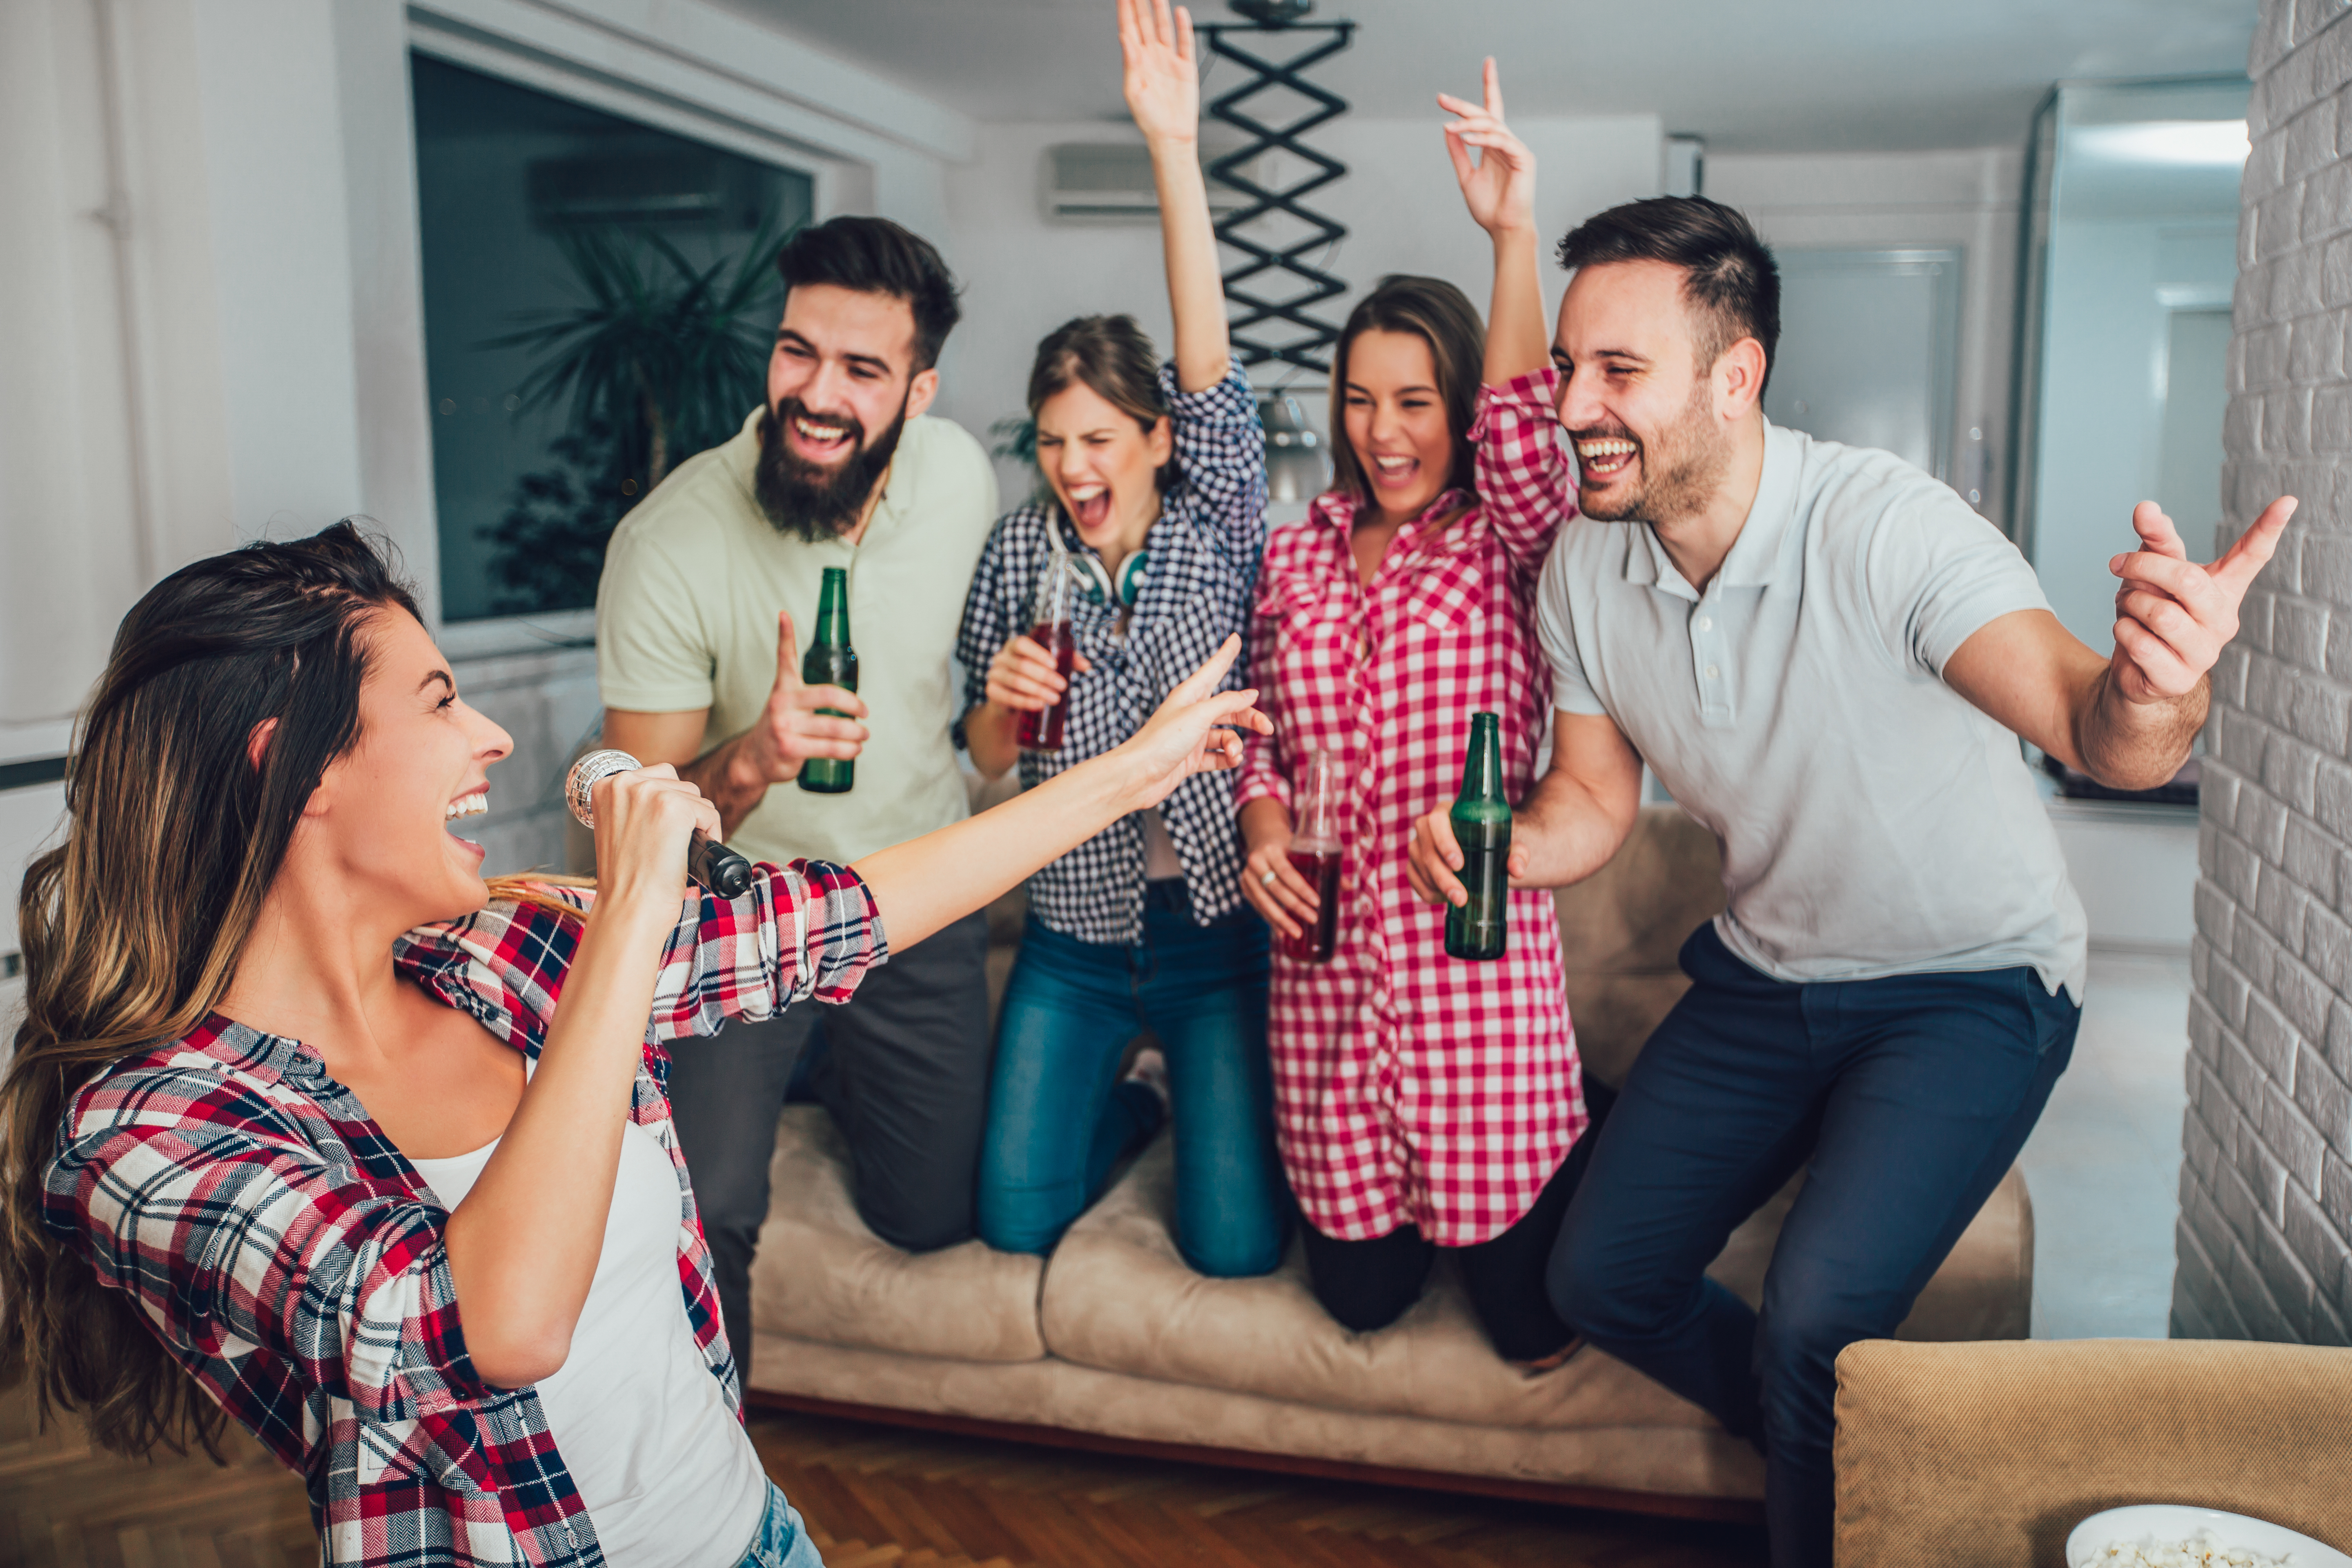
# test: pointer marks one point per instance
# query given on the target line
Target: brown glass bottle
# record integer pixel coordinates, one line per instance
(831, 662)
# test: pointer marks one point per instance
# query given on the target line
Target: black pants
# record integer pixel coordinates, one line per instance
(907, 1083)
(1368, 1285)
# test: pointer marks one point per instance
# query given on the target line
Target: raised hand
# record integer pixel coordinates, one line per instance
(1162, 78)
(2173, 616)
(1194, 730)
(644, 819)
(1500, 186)
(790, 730)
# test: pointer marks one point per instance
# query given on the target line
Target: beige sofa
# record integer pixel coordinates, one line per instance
(1113, 1343)
(1960, 1456)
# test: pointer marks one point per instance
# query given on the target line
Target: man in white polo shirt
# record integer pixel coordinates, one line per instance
(1825, 657)
(708, 596)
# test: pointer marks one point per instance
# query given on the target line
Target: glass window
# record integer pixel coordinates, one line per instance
(598, 307)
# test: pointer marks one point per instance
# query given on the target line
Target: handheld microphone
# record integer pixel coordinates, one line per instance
(707, 861)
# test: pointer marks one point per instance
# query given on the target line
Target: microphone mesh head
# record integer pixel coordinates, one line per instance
(587, 774)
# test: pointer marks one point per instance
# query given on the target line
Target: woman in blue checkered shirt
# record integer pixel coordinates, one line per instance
(1157, 485)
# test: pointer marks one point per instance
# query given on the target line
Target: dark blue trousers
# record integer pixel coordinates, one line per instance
(1909, 1096)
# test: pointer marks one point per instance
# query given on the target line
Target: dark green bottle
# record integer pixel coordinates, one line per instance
(1482, 826)
(831, 662)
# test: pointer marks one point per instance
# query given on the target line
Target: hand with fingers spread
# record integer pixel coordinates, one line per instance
(1196, 731)
(1269, 881)
(1162, 78)
(1500, 184)
(2173, 616)
(1022, 678)
(791, 729)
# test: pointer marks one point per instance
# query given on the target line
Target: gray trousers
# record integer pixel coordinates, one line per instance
(907, 1083)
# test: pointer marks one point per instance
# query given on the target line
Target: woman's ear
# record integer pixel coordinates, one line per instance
(1161, 438)
(257, 743)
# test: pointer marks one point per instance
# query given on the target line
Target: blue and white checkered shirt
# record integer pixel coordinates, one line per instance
(1202, 571)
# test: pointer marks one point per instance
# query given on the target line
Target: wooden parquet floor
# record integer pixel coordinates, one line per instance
(874, 1497)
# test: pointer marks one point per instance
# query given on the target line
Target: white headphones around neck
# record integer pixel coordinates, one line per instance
(1124, 591)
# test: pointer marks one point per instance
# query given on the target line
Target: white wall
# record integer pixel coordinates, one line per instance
(1026, 275)
(1966, 198)
(2103, 394)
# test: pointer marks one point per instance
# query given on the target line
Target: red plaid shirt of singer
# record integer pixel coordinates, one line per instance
(1411, 1088)
(291, 1259)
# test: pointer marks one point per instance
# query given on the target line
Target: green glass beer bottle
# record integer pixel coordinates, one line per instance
(831, 662)
(1482, 826)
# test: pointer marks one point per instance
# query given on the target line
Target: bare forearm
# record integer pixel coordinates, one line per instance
(726, 783)
(523, 1244)
(1263, 819)
(2137, 745)
(1516, 342)
(1196, 292)
(926, 883)
(1568, 831)
(993, 735)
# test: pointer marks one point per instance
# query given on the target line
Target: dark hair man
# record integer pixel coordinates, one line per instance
(1823, 655)
(699, 663)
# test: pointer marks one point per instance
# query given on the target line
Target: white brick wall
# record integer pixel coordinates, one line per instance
(2265, 1231)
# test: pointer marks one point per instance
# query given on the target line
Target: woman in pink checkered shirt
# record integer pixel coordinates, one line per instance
(1421, 1101)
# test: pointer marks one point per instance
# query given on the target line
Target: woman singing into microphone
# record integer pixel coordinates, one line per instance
(309, 1127)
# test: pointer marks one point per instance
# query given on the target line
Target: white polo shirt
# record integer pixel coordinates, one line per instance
(1874, 822)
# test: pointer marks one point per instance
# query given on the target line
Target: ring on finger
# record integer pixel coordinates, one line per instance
(1267, 880)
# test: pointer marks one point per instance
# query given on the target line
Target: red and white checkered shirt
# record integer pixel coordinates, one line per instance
(289, 1256)
(1411, 1088)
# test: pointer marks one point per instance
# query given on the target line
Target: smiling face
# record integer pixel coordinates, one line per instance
(1103, 465)
(840, 385)
(385, 812)
(1651, 428)
(1396, 421)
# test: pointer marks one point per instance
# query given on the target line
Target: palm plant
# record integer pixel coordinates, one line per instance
(659, 359)
(662, 353)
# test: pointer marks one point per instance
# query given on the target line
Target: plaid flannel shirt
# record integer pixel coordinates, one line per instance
(1410, 1088)
(289, 1256)
(1204, 552)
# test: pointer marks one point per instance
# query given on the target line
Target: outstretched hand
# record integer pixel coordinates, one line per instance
(2173, 616)
(1162, 78)
(1193, 731)
(1500, 186)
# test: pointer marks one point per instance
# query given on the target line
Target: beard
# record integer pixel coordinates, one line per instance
(1681, 468)
(815, 503)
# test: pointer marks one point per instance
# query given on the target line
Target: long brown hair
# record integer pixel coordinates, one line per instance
(1440, 315)
(132, 927)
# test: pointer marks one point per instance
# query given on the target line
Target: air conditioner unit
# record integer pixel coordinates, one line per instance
(1110, 182)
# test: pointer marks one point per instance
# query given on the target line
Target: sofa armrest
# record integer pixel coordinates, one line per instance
(1991, 1453)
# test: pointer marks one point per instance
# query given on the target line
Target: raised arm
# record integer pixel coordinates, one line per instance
(2127, 719)
(1500, 188)
(923, 884)
(1163, 82)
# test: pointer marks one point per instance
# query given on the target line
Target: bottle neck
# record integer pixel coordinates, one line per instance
(1481, 764)
(832, 611)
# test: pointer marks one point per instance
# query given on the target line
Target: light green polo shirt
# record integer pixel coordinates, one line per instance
(685, 618)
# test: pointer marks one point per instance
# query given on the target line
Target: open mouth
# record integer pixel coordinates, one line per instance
(1606, 456)
(1090, 506)
(475, 805)
(1390, 471)
(821, 439)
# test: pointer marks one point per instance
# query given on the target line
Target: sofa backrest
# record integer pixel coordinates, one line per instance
(1620, 928)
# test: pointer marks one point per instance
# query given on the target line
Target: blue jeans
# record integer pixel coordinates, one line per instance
(782, 1540)
(1909, 1096)
(1058, 1121)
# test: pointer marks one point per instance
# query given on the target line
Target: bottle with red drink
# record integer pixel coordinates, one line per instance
(1314, 851)
(1050, 606)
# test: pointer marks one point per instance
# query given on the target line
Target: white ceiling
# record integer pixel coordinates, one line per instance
(1747, 75)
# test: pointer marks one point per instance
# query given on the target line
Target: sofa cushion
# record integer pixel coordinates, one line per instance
(821, 1275)
(1119, 1298)
(1620, 928)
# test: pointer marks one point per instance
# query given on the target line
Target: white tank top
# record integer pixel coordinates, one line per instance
(666, 1473)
